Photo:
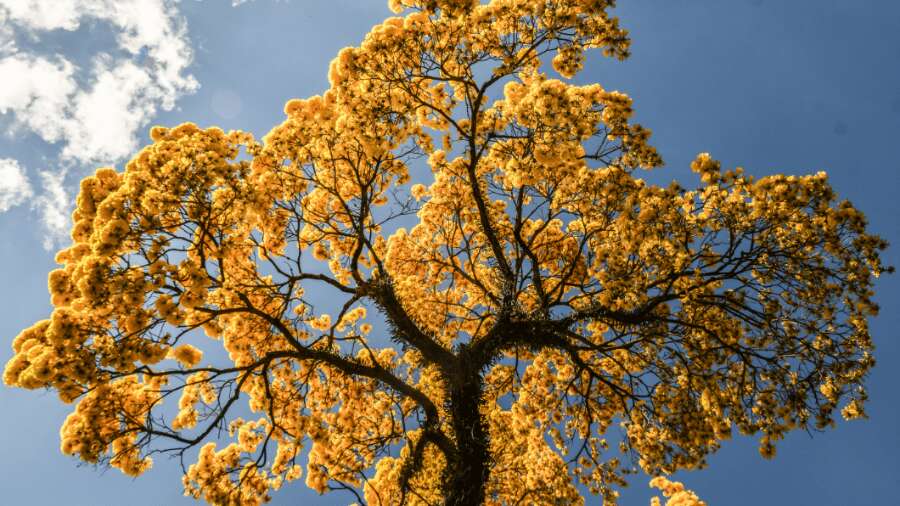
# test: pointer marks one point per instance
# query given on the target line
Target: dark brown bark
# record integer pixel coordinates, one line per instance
(468, 471)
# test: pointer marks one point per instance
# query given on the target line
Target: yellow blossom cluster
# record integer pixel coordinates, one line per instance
(455, 190)
(209, 478)
(675, 493)
(105, 421)
(186, 355)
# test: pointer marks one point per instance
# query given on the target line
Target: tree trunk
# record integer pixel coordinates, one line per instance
(468, 474)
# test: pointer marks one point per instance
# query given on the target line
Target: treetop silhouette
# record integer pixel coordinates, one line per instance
(506, 291)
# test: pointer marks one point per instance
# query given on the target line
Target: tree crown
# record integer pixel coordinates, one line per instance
(500, 303)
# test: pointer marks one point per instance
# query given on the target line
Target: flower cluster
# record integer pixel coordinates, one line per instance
(538, 294)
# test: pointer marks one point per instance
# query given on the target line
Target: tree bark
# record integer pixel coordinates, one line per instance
(468, 473)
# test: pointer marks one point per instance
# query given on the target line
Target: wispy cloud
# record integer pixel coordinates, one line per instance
(95, 108)
(89, 112)
(36, 91)
(53, 204)
(14, 186)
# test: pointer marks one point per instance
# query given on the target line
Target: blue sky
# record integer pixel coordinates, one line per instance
(773, 86)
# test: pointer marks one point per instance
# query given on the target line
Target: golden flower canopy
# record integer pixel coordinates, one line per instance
(502, 288)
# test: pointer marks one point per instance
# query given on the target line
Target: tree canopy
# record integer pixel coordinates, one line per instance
(517, 317)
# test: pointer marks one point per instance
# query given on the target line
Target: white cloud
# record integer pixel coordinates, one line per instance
(89, 111)
(37, 90)
(7, 36)
(44, 15)
(103, 121)
(54, 207)
(14, 186)
(97, 121)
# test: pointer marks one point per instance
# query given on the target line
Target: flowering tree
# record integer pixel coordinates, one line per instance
(540, 294)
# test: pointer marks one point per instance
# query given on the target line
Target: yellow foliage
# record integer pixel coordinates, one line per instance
(544, 295)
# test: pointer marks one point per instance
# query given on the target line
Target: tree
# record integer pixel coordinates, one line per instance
(539, 295)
